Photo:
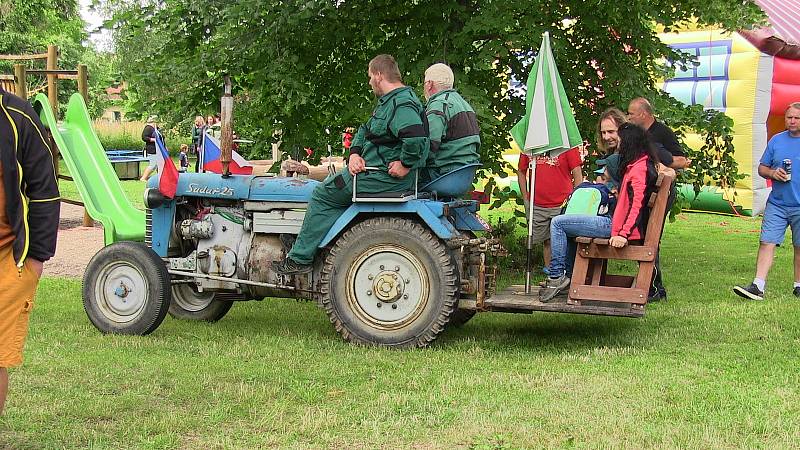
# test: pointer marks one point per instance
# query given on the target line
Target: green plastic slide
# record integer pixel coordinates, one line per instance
(92, 172)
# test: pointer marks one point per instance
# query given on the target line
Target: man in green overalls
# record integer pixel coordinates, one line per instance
(394, 139)
(454, 132)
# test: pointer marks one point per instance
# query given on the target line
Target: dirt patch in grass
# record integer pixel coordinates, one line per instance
(76, 244)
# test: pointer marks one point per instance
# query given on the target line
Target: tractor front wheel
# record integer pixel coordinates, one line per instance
(126, 289)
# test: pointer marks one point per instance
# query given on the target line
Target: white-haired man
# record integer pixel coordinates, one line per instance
(453, 125)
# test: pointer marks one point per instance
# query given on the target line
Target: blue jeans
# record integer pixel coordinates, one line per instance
(565, 227)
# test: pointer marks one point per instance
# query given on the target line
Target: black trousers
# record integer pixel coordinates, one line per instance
(658, 280)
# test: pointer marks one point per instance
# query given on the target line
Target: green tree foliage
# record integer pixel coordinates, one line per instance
(300, 66)
(29, 26)
(101, 67)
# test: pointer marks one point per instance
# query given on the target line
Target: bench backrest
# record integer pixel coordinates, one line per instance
(658, 210)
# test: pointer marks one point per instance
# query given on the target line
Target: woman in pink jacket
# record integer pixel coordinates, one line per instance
(638, 171)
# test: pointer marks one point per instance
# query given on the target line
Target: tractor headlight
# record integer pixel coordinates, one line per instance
(153, 198)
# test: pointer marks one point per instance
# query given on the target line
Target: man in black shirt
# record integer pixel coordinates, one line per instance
(149, 138)
(29, 207)
(640, 112)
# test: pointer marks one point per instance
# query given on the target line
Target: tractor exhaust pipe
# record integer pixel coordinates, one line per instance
(226, 138)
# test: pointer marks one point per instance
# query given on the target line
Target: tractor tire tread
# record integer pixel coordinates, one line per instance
(414, 230)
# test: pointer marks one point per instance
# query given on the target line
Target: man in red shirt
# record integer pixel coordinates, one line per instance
(555, 179)
(347, 139)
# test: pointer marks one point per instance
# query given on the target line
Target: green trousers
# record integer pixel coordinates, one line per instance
(330, 200)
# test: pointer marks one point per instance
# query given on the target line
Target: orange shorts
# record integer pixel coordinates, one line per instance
(16, 301)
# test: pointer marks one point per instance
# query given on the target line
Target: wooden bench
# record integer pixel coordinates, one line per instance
(592, 284)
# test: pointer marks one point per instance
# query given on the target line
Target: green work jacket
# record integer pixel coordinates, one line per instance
(454, 132)
(394, 132)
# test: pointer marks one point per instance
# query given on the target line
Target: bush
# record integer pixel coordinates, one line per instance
(128, 136)
(513, 234)
(119, 135)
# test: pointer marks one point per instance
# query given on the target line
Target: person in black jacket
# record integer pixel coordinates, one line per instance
(640, 112)
(149, 138)
(29, 209)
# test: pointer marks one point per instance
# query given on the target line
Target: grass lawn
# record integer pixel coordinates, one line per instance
(703, 370)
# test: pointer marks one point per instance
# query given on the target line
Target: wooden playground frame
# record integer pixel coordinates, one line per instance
(20, 87)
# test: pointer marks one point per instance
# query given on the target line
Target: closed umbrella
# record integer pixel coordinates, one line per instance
(548, 126)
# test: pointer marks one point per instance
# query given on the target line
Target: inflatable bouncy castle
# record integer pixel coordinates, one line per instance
(752, 76)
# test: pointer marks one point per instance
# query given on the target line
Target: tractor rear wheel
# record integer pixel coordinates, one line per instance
(389, 282)
(461, 316)
(189, 304)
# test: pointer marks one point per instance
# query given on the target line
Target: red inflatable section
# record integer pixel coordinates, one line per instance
(785, 90)
(785, 84)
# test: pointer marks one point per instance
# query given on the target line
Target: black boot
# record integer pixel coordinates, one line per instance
(289, 267)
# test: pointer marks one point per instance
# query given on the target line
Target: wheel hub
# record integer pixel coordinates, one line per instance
(123, 290)
(388, 287)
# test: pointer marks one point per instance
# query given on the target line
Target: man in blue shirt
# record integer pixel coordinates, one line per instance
(783, 204)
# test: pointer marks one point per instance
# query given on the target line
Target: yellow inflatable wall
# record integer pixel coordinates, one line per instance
(733, 77)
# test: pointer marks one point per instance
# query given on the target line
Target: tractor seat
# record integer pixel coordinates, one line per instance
(388, 195)
(454, 183)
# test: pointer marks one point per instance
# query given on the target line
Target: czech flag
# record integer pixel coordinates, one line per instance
(211, 158)
(168, 173)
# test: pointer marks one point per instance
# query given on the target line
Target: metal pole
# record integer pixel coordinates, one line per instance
(21, 87)
(202, 150)
(52, 79)
(528, 258)
(226, 139)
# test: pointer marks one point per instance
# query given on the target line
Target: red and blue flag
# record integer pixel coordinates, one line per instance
(212, 158)
(168, 173)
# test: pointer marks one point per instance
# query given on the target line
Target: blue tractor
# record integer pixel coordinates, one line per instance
(393, 271)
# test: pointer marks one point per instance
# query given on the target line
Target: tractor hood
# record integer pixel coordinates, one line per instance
(282, 189)
(241, 187)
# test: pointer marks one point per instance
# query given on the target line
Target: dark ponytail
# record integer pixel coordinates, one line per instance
(634, 142)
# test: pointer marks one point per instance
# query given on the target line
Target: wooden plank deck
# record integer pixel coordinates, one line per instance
(514, 299)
